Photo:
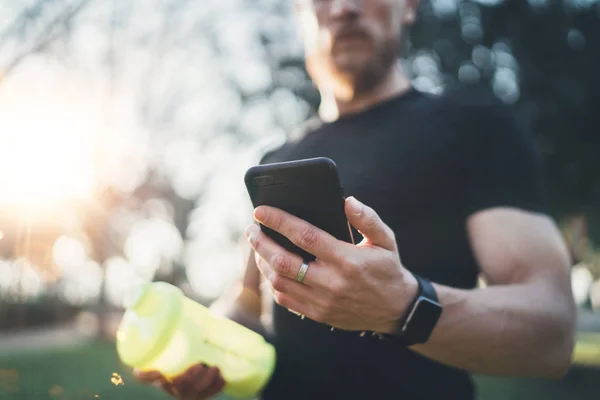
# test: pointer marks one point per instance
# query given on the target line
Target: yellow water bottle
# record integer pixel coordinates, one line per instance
(165, 331)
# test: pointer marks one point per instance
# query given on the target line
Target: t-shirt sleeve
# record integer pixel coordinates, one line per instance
(501, 163)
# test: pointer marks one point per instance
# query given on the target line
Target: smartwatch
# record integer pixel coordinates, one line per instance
(422, 315)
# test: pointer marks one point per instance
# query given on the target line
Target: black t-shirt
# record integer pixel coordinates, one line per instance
(424, 164)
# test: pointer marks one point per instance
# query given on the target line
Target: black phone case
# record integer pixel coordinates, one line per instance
(309, 189)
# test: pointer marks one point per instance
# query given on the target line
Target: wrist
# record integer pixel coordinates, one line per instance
(243, 306)
(249, 301)
(239, 300)
(410, 289)
(420, 317)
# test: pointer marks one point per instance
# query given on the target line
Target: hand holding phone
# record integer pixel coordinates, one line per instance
(308, 189)
(351, 287)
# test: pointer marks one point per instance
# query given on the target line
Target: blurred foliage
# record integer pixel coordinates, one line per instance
(186, 95)
(592, 259)
(43, 311)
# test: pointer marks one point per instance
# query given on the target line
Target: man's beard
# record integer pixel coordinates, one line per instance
(358, 78)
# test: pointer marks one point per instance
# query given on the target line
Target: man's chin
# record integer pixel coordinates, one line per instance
(350, 63)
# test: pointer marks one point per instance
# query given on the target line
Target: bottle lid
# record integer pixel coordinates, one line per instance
(134, 296)
(151, 316)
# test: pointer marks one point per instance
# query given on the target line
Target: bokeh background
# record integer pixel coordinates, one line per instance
(126, 127)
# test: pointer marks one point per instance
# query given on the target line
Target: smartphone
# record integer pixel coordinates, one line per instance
(309, 189)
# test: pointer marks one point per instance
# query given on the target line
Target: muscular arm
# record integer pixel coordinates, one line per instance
(522, 324)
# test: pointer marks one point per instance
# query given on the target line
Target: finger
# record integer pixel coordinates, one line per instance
(281, 261)
(305, 308)
(184, 383)
(289, 286)
(215, 388)
(205, 379)
(308, 237)
(146, 376)
(166, 386)
(369, 224)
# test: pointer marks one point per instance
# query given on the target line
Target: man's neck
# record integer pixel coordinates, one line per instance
(333, 107)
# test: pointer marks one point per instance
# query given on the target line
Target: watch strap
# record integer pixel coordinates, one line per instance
(425, 289)
(420, 317)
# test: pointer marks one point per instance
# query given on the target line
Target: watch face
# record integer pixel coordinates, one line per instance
(423, 318)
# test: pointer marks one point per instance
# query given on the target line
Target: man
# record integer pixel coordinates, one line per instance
(449, 190)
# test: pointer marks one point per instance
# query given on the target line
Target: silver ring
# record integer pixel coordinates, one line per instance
(302, 272)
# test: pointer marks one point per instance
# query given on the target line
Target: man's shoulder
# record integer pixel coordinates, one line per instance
(476, 110)
(271, 154)
(468, 101)
(278, 152)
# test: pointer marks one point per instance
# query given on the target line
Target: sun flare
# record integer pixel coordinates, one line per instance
(46, 153)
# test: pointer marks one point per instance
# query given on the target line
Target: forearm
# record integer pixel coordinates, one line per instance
(516, 330)
(243, 303)
(252, 277)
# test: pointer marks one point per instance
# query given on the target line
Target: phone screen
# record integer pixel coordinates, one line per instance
(309, 189)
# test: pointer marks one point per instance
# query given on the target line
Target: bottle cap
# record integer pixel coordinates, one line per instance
(134, 296)
(151, 317)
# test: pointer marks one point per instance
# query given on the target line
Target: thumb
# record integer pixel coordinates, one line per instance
(368, 223)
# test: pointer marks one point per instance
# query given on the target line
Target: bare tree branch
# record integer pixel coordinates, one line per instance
(49, 34)
(23, 20)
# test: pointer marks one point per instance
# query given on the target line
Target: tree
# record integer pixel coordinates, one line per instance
(192, 93)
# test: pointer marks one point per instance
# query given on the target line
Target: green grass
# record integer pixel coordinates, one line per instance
(78, 373)
(81, 372)
(85, 371)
